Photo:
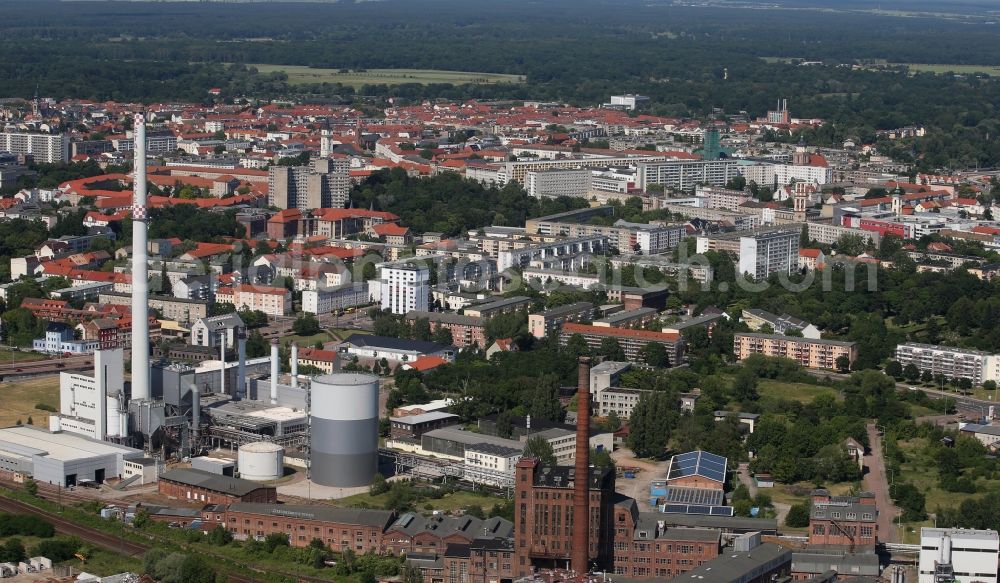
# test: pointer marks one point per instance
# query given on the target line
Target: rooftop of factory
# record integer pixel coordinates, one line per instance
(734, 566)
(259, 410)
(26, 441)
(209, 481)
(423, 418)
(470, 437)
(361, 516)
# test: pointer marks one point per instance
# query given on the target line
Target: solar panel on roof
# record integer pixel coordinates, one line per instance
(699, 463)
(696, 509)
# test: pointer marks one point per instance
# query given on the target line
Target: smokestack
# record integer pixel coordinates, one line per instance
(580, 556)
(195, 420)
(101, 423)
(222, 357)
(140, 273)
(241, 367)
(944, 557)
(275, 369)
(294, 361)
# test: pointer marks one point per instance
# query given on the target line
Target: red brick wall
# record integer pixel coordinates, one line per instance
(263, 494)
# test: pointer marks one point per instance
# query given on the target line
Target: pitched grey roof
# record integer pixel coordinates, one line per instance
(209, 481)
(358, 516)
(363, 340)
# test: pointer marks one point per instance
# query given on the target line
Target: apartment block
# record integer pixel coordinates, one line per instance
(810, 353)
(322, 184)
(953, 363)
(542, 324)
(404, 287)
(465, 330)
(767, 252)
(273, 301)
(618, 400)
(45, 148)
(686, 174)
(573, 182)
(631, 341)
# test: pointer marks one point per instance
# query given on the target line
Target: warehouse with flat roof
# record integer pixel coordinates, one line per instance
(61, 458)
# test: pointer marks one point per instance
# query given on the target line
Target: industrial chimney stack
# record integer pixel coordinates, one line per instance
(140, 270)
(580, 557)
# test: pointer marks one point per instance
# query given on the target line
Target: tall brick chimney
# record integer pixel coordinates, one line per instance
(580, 557)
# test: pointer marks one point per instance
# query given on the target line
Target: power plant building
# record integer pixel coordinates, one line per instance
(344, 429)
(61, 458)
(94, 404)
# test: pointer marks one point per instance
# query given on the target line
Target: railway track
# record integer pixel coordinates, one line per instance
(123, 546)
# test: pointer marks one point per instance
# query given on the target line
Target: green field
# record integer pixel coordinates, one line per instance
(298, 75)
(921, 470)
(991, 70)
(11, 356)
(307, 341)
(449, 503)
(20, 397)
(801, 392)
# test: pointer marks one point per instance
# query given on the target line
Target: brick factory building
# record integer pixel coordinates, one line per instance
(848, 521)
(543, 517)
(199, 486)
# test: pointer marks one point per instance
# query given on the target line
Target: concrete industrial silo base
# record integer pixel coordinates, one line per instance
(344, 429)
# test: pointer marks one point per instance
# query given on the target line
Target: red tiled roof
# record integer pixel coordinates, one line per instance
(425, 363)
(652, 336)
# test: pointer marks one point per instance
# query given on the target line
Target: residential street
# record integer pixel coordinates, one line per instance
(876, 481)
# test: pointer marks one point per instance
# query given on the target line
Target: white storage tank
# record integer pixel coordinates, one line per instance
(344, 429)
(261, 461)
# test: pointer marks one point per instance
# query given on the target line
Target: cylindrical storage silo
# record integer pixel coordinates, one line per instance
(344, 429)
(261, 461)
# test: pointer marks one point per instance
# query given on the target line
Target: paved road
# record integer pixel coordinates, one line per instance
(875, 481)
(966, 405)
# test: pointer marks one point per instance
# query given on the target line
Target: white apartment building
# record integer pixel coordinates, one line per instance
(273, 301)
(825, 234)
(573, 182)
(45, 148)
(619, 180)
(551, 278)
(490, 464)
(93, 404)
(404, 287)
(685, 174)
(958, 554)
(764, 253)
(766, 173)
(326, 300)
(652, 239)
(953, 363)
(618, 400)
(722, 198)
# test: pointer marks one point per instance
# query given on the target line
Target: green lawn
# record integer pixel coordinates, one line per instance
(11, 356)
(449, 503)
(20, 397)
(307, 341)
(991, 70)
(801, 392)
(922, 471)
(343, 333)
(302, 74)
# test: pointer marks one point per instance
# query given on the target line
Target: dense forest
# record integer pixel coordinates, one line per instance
(689, 60)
